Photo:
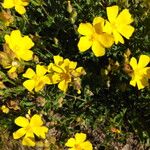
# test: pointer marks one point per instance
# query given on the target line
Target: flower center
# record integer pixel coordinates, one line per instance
(29, 128)
(138, 73)
(65, 76)
(77, 147)
(114, 25)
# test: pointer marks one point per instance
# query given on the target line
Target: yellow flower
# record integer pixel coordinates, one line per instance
(79, 142)
(36, 80)
(63, 72)
(18, 4)
(20, 45)
(119, 24)
(95, 37)
(5, 109)
(29, 128)
(141, 73)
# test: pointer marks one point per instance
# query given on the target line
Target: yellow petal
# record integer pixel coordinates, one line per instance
(8, 4)
(36, 121)
(12, 70)
(63, 85)
(54, 78)
(22, 121)
(58, 60)
(98, 49)
(124, 17)
(80, 137)
(72, 65)
(106, 40)
(71, 142)
(29, 84)
(29, 73)
(117, 37)
(84, 43)
(29, 134)
(20, 9)
(133, 63)
(112, 13)
(140, 85)
(85, 29)
(27, 55)
(28, 141)
(86, 146)
(133, 82)
(78, 72)
(57, 69)
(19, 133)
(143, 61)
(28, 42)
(40, 131)
(40, 70)
(107, 28)
(98, 20)
(126, 30)
(98, 24)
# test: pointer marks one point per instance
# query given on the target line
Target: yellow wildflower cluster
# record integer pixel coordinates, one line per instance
(79, 143)
(65, 73)
(102, 33)
(18, 4)
(29, 127)
(62, 71)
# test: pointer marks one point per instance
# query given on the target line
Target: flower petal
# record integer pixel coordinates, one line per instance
(106, 40)
(58, 60)
(133, 82)
(36, 121)
(98, 49)
(29, 84)
(63, 85)
(80, 137)
(28, 141)
(8, 4)
(140, 85)
(112, 13)
(117, 37)
(29, 43)
(98, 24)
(19, 133)
(20, 9)
(40, 70)
(126, 30)
(86, 146)
(98, 20)
(40, 131)
(72, 65)
(85, 29)
(26, 55)
(143, 61)
(29, 73)
(124, 17)
(107, 27)
(133, 63)
(71, 142)
(22, 121)
(84, 43)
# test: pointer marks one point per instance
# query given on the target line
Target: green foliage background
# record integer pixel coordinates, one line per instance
(106, 100)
